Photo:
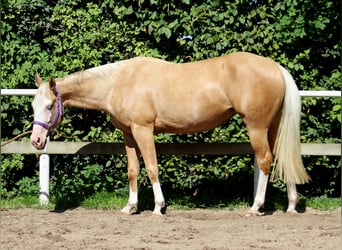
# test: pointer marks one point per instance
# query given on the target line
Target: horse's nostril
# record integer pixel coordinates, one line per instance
(38, 139)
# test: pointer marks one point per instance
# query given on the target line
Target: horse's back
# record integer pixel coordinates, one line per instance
(239, 77)
(232, 69)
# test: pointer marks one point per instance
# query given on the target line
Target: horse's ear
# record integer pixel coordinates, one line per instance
(39, 80)
(52, 84)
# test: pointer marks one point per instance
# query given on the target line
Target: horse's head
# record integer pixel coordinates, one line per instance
(48, 111)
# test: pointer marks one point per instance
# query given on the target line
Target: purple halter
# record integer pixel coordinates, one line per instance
(59, 113)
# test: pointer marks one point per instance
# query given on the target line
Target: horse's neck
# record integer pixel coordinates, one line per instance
(87, 89)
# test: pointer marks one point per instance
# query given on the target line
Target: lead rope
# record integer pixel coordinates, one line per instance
(16, 138)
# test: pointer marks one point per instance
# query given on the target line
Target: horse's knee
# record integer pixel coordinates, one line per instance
(152, 172)
(133, 171)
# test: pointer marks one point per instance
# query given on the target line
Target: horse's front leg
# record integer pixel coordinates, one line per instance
(133, 172)
(143, 136)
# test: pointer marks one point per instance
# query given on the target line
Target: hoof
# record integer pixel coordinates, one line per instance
(157, 213)
(159, 208)
(291, 211)
(128, 209)
(254, 213)
(125, 210)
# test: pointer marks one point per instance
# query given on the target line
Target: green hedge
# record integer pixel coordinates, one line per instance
(60, 37)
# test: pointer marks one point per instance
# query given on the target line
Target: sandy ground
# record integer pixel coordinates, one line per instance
(178, 229)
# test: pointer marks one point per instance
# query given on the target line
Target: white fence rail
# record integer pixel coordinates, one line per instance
(18, 92)
(110, 148)
(24, 147)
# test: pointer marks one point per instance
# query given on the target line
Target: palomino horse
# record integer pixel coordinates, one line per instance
(145, 96)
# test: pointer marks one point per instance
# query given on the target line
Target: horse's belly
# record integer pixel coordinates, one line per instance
(192, 123)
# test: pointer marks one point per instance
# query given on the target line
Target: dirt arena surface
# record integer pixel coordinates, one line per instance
(178, 229)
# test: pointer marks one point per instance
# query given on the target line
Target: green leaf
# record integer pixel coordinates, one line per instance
(167, 32)
(337, 107)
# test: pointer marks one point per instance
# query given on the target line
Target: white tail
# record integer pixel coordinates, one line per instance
(289, 165)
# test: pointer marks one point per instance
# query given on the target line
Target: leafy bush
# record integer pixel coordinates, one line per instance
(61, 37)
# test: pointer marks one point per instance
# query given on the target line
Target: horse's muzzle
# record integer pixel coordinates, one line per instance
(38, 143)
(38, 137)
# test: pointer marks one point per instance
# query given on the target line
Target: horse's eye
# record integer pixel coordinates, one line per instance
(49, 107)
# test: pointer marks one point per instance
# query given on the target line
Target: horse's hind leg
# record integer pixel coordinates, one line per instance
(259, 195)
(292, 196)
(291, 187)
(260, 145)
